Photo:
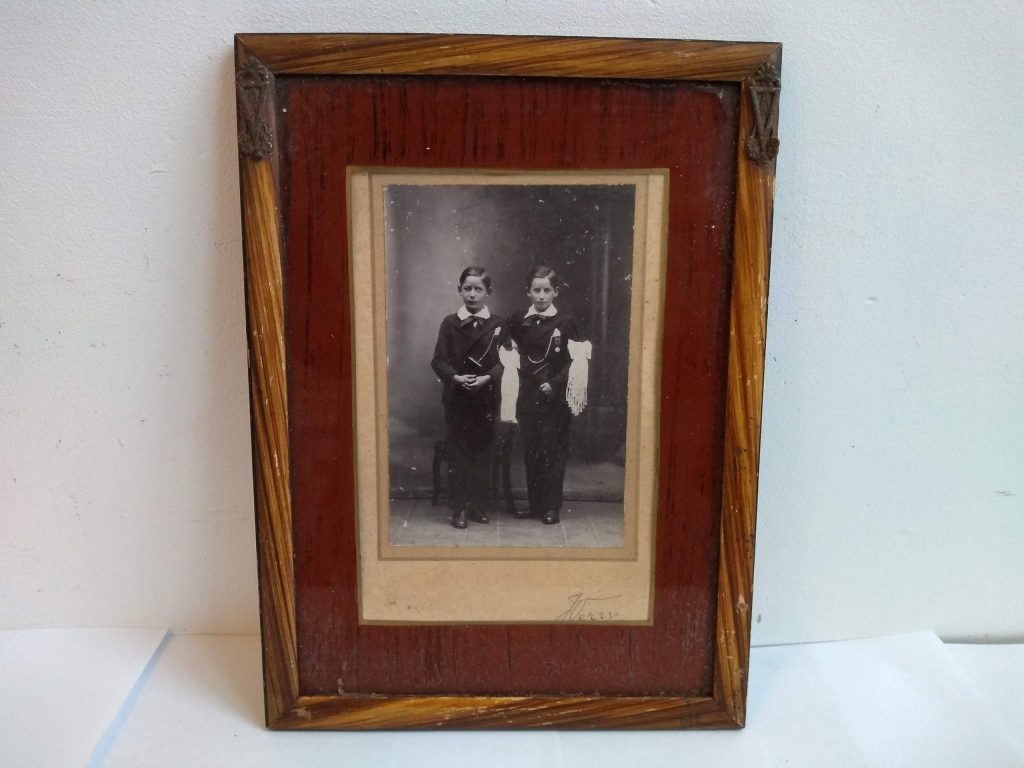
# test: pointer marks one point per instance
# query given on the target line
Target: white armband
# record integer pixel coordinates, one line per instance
(579, 371)
(509, 383)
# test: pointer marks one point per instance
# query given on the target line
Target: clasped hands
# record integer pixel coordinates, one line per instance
(471, 382)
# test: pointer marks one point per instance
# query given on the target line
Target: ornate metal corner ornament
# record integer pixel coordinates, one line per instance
(763, 143)
(252, 85)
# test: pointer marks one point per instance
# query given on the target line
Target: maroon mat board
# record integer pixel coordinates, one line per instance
(326, 125)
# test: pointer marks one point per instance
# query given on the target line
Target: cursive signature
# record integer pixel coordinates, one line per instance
(586, 608)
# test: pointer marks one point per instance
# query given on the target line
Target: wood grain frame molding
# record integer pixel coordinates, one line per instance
(752, 72)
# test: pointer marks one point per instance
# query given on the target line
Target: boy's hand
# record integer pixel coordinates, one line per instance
(463, 379)
(546, 389)
(476, 382)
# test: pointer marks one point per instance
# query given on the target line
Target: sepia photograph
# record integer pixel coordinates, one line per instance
(508, 317)
(506, 392)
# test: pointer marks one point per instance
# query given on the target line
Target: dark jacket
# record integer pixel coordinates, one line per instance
(543, 356)
(464, 347)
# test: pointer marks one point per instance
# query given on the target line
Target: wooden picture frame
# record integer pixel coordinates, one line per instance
(293, 147)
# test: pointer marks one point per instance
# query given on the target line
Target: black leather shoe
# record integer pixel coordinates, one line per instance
(459, 519)
(478, 517)
(550, 517)
(522, 514)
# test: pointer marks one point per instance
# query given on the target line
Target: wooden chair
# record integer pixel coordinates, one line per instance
(504, 439)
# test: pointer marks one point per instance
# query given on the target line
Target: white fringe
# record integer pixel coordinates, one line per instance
(579, 371)
(509, 383)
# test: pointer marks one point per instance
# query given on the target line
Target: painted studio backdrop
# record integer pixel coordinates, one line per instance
(434, 231)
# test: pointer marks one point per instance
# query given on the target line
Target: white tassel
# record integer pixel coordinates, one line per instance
(509, 382)
(579, 371)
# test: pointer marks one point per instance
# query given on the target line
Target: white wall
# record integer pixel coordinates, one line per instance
(892, 476)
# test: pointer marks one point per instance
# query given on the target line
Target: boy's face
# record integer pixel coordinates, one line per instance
(473, 293)
(541, 293)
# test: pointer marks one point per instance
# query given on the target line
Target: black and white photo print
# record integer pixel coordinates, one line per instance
(508, 330)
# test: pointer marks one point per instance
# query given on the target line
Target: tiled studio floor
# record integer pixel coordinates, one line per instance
(416, 522)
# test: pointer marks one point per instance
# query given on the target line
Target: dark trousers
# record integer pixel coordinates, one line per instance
(470, 454)
(545, 447)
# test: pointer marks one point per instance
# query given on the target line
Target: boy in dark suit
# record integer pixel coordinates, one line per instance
(466, 361)
(542, 335)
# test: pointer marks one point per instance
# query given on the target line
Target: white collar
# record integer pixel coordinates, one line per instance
(464, 313)
(551, 311)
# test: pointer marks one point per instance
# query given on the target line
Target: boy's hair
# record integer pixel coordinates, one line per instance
(476, 272)
(542, 272)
